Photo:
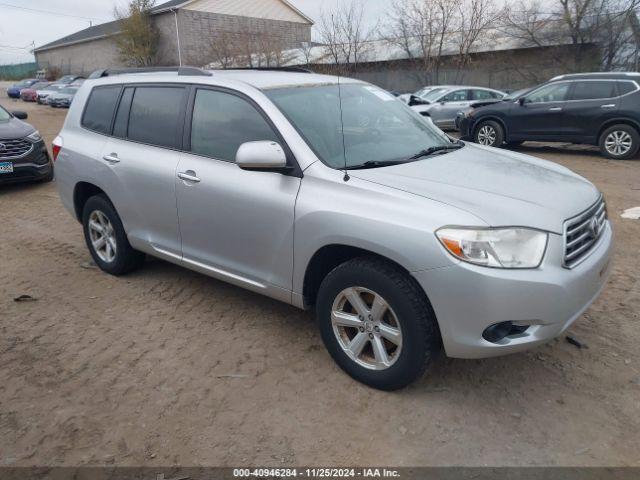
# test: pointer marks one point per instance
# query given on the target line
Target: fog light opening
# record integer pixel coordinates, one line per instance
(502, 330)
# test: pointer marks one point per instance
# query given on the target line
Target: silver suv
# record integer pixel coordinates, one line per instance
(328, 193)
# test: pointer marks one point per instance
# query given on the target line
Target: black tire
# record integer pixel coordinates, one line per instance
(126, 259)
(421, 341)
(49, 177)
(625, 131)
(479, 134)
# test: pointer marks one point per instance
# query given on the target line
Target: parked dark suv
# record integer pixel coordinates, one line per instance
(23, 154)
(592, 108)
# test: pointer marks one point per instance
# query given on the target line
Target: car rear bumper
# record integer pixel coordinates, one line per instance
(467, 299)
(36, 165)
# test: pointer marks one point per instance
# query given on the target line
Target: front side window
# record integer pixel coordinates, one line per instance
(99, 110)
(222, 122)
(457, 96)
(156, 115)
(433, 94)
(4, 115)
(353, 124)
(555, 92)
(593, 90)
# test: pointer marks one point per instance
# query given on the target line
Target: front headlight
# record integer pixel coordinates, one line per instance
(34, 137)
(495, 247)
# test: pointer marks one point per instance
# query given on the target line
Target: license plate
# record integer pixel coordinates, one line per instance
(6, 167)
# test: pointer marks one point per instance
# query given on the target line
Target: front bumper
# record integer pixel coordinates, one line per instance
(467, 299)
(59, 103)
(465, 125)
(35, 165)
(13, 93)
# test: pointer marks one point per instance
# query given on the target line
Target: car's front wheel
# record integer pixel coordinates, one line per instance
(106, 239)
(489, 133)
(619, 142)
(377, 323)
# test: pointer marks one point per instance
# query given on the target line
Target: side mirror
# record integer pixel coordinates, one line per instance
(522, 100)
(415, 100)
(19, 114)
(261, 155)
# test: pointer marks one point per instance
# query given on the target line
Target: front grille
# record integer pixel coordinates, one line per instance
(15, 148)
(582, 232)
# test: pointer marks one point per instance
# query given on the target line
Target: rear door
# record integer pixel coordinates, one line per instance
(235, 224)
(142, 156)
(541, 115)
(590, 104)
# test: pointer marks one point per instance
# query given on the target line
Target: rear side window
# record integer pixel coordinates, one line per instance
(222, 122)
(484, 95)
(99, 110)
(156, 116)
(626, 87)
(593, 90)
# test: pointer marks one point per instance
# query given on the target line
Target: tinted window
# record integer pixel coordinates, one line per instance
(222, 122)
(555, 92)
(457, 96)
(484, 95)
(593, 90)
(122, 117)
(155, 115)
(100, 107)
(626, 87)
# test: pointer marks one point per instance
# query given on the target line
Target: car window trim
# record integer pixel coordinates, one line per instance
(575, 83)
(186, 135)
(582, 80)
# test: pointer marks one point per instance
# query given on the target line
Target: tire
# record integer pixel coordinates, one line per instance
(124, 259)
(49, 177)
(619, 142)
(408, 308)
(489, 133)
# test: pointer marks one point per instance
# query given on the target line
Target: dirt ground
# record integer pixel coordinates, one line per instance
(169, 367)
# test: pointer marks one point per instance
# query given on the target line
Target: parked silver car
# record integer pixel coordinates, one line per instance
(328, 193)
(43, 94)
(443, 102)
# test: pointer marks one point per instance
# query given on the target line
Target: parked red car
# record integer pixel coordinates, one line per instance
(29, 94)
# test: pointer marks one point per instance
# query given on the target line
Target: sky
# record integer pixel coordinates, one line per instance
(42, 21)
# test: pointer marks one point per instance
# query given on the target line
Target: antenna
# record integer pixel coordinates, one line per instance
(344, 147)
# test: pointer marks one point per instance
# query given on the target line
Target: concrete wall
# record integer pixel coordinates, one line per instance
(198, 29)
(506, 70)
(81, 57)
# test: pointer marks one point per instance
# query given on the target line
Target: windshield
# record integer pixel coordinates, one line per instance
(372, 126)
(4, 115)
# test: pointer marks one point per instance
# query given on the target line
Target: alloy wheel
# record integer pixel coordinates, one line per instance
(102, 235)
(618, 143)
(367, 329)
(487, 135)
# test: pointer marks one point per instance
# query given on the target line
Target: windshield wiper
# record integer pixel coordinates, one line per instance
(376, 164)
(431, 150)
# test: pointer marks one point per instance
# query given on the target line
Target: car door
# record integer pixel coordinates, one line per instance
(540, 114)
(590, 104)
(235, 224)
(444, 111)
(143, 155)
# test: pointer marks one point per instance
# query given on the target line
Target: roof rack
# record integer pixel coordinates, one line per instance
(187, 71)
(273, 69)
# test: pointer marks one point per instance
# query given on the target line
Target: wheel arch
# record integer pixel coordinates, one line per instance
(617, 121)
(82, 192)
(328, 257)
(488, 118)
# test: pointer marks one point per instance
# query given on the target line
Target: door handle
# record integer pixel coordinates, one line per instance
(111, 158)
(555, 109)
(189, 176)
(609, 105)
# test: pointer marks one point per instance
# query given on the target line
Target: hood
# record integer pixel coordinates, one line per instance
(14, 128)
(499, 187)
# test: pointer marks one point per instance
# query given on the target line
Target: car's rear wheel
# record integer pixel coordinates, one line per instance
(619, 142)
(106, 239)
(489, 133)
(377, 323)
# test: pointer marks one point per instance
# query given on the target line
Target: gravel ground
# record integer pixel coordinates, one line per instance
(166, 366)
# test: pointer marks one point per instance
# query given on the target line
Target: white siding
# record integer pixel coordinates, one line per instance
(267, 9)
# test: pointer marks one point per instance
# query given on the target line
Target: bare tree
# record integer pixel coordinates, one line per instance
(224, 49)
(137, 41)
(345, 37)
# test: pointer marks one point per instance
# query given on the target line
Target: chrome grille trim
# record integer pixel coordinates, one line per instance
(579, 237)
(15, 148)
